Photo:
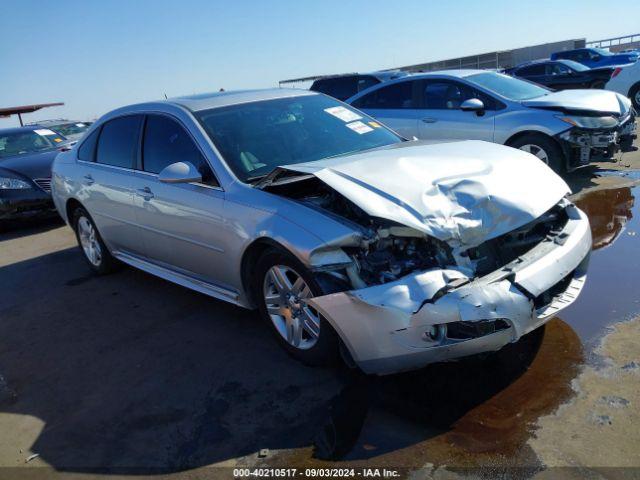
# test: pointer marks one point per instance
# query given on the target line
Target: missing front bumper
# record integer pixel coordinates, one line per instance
(582, 146)
(396, 326)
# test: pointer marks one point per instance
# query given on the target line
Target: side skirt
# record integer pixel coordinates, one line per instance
(181, 279)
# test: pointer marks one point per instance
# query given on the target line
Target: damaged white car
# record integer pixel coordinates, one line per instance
(346, 237)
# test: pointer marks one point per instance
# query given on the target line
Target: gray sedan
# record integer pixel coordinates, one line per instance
(348, 239)
(565, 129)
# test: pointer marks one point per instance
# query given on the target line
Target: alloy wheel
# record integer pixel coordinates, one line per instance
(537, 151)
(284, 291)
(89, 241)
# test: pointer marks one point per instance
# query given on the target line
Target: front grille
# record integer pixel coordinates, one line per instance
(44, 184)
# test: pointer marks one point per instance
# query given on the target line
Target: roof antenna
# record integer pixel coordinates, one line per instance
(165, 96)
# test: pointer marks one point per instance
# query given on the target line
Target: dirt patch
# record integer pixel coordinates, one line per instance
(600, 426)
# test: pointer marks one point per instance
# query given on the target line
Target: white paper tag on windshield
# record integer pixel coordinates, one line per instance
(44, 131)
(80, 125)
(359, 127)
(343, 114)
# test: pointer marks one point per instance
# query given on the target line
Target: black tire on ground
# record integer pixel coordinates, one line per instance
(325, 351)
(556, 160)
(635, 98)
(107, 263)
(598, 84)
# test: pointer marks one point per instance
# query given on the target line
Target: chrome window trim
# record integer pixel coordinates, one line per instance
(149, 174)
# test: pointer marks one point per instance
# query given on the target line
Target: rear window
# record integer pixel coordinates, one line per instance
(118, 142)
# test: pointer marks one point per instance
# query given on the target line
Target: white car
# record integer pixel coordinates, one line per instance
(627, 82)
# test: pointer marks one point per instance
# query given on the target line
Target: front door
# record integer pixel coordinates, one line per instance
(182, 224)
(441, 116)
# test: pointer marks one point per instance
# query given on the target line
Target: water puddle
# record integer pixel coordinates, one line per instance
(480, 412)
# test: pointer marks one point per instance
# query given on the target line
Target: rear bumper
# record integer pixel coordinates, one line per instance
(582, 146)
(397, 326)
(28, 203)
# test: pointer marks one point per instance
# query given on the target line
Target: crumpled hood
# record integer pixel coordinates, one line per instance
(593, 100)
(462, 193)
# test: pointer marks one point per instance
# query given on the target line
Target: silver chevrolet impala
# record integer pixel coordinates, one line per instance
(348, 239)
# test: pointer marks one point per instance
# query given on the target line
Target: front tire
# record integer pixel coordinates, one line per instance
(542, 147)
(94, 251)
(634, 95)
(280, 283)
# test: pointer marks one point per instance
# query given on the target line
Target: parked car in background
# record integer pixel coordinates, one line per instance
(564, 129)
(72, 130)
(345, 86)
(595, 57)
(344, 236)
(563, 74)
(627, 82)
(26, 155)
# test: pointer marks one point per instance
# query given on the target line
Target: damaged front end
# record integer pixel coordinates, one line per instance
(585, 143)
(401, 297)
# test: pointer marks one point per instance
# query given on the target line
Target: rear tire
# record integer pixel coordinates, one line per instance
(93, 249)
(598, 84)
(280, 281)
(634, 95)
(542, 147)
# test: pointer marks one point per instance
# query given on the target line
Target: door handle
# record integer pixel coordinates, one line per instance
(429, 120)
(145, 193)
(88, 180)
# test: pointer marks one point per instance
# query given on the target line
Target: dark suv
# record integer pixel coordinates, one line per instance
(347, 85)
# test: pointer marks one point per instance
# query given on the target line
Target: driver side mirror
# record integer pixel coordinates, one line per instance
(473, 105)
(180, 172)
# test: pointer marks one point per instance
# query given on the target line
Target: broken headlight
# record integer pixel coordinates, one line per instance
(592, 123)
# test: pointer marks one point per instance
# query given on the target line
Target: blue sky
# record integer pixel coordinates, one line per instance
(98, 55)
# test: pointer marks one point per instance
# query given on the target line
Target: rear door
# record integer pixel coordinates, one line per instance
(441, 117)
(182, 224)
(395, 105)
(106, 160)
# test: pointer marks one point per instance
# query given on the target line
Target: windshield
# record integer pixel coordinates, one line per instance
(67, 129)
(507, 87)
(603, 52)
(578, 67)
(255, 138)
(28, 141)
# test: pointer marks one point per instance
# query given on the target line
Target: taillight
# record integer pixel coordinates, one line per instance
(616, 72)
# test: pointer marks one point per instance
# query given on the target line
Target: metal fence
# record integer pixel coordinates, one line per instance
(617, 43)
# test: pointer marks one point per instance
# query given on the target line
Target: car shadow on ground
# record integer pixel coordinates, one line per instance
(12, 229)
(129, 374)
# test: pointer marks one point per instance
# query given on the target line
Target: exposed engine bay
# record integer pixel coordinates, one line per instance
(389, 251)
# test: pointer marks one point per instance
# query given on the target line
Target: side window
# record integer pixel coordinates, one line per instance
(532, 70)
(448, 95)
(397, 96)
(166, 142)
(118, 142)
(557, 69)
(87, 150)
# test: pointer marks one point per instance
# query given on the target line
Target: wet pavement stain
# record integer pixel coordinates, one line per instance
(481, 412)
(475, 413)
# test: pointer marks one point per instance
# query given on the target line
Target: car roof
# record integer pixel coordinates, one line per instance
(462, 73)
(380, 75)
(205, 101)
